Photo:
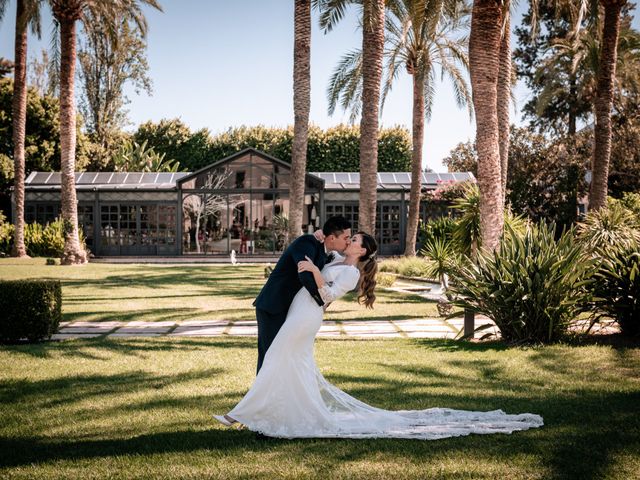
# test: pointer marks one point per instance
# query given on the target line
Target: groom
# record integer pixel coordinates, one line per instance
(274, 300)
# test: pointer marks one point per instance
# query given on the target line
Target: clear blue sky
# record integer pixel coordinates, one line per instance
(218, 64)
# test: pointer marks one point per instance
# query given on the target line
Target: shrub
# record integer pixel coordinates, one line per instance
(439, 228)
(7, 231)
(389, 265)
(617, 286)
(51, 261)
(532, 287)
(31, 309)
(385, 279)
(48, 240)
(610, 226)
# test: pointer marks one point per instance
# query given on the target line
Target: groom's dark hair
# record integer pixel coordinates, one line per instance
(335, 226)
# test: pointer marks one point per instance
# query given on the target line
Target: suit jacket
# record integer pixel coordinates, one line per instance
(285, 281)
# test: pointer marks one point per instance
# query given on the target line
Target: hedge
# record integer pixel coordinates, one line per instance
(31, 309)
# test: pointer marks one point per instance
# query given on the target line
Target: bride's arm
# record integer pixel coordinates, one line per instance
(346, 281)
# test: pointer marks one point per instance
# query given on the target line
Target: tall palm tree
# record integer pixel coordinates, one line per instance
(421, 35)
(67, 13)
(27, 13)
(604, 102)
(370, 72)
(372, 54)
(301, 107)
(504, 97)
(484, 53)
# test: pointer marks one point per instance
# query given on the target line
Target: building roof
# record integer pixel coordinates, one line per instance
(390, 180)
(168, 181)
(108, 180)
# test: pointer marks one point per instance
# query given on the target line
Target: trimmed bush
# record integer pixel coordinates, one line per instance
(407, 266)
(6, 235)
(31, 309)
(532, 287)
(617, 286)
(385, 279)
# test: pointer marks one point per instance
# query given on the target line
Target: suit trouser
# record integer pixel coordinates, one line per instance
(269, 324)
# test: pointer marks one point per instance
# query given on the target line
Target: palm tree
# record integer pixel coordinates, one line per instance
(67, 13)
(420, 36)
(604, 102)
(484, 54)
(301, 106)
(369, 76)
(372, 54)
(504, 97)
(27, 12)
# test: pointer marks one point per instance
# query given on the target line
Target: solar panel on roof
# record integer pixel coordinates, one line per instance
(40, 177)
(54, 178)
(117, 178)
(149, 177)
(386, 178)
(102, 177)
(342, 178)
(133, 178)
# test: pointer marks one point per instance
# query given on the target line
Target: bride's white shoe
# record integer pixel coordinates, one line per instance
(225, 420)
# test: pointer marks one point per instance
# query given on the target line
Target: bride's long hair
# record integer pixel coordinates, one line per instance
(368, 266)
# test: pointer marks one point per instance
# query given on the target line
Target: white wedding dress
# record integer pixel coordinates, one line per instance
(291, 399)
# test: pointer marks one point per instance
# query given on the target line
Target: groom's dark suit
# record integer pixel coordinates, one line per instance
(274, 300)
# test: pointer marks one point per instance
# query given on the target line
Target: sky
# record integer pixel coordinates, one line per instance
(218, 64)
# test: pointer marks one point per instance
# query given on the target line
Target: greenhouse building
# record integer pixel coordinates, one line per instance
(238, 203)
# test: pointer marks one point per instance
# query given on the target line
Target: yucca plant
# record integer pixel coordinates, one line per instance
(532, 286)
(466, 231)
(442, 256)
(611, 226)
(617, 286)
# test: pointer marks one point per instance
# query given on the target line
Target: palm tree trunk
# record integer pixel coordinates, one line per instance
(416, 162)
(73, 251)
(504, 99)
(19, 125)
(372, 52)
(301, 106)
(604, 102)
(484, 67)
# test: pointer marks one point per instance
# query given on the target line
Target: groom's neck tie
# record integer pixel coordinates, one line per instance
(330, 257)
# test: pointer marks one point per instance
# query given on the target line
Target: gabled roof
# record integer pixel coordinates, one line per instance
(315, 179)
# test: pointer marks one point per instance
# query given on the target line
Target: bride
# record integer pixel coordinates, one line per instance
(291, 399)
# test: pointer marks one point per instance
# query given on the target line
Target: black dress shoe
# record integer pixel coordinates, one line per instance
(262, 436)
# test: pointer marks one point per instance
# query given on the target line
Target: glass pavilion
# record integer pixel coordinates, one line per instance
(239, 203)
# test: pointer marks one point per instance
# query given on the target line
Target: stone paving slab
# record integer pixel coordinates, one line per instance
(135, 334)
(411, 328)
(211, 331)
(141, 329)
(244, 330)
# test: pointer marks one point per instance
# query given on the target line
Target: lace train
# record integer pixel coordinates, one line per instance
(291, 399)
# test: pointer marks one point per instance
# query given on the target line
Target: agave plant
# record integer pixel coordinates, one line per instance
(466, 232)
(617, 286)
(608, 227)
(442, 256)
(532, 286)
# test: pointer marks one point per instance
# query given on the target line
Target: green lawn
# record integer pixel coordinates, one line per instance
(108, 292)
(140, 408)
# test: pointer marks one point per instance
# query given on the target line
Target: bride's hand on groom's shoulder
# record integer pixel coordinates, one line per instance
(307, 265)
(319, 235)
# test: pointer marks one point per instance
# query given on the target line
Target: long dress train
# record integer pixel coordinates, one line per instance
(291, 399)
